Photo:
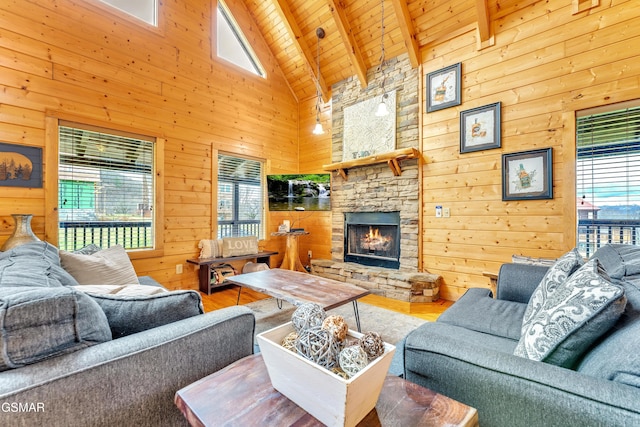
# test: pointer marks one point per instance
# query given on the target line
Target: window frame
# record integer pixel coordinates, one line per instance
(53, 122)
(216, 188)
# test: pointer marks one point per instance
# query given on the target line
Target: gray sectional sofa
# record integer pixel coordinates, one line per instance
(477, 352)
(74, 359)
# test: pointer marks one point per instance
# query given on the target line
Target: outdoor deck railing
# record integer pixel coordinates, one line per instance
(74, 235)
(593, 233)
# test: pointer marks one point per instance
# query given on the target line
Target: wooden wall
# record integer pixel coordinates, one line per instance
(81, 59)
(545, 65)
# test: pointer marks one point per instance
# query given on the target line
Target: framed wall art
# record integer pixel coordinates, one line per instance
(20, 166)
(528, 175)
(480, 128)
(443, 88)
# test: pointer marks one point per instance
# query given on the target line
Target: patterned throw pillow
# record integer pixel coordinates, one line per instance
(210, 248)
(572, 317)
(559, 272)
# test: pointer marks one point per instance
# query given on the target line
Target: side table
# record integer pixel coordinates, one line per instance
(241, 394)
(291, 260)
(205, 264)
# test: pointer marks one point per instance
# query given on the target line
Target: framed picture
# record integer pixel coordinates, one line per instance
(20, 166)
(528, 175)
(443, 88)
(480, 128)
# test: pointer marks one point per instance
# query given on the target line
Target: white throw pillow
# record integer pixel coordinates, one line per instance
(110, 266)
(210, 248)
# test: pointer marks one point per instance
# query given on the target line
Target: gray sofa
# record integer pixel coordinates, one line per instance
(468, 354)
(60, 366)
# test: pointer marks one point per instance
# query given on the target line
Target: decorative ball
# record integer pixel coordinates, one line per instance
(308, 315)
(372, 344)
(319, 346)
(337, 326)
(352, 360)
(289, 342)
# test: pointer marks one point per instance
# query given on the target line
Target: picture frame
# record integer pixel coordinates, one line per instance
(480, 128)
(528, 175)
(443, 88)
(20, 166)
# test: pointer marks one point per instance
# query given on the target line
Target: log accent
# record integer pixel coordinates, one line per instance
(392, 158)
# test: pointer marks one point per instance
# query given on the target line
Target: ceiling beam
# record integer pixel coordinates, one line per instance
(340, 18)
(283, 10)
(408, 31)
(482, 10)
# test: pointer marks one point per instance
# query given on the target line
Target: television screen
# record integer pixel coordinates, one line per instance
(309, 192)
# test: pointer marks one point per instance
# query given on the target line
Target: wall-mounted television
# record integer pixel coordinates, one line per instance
(309, 192)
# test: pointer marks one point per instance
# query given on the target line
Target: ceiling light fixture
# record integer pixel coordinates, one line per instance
(318, 130)
(382, 107)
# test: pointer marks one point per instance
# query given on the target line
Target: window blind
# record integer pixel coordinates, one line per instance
(240, 197)
(105, 188)
(608, 177)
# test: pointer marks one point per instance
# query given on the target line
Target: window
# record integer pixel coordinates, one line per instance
(608, 177)
(146, 10)
(106, 188)
(240, 197)
(232, 45)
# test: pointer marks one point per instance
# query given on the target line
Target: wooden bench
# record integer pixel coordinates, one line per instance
(204, 275)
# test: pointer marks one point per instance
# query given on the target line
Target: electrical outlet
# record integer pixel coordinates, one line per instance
(446, 212)
(309, 253)
(178, 268)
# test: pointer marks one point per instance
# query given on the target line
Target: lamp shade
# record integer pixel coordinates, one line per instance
(382, 109)
(318, 130)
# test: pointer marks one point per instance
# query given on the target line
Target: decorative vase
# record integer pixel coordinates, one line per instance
(22, 232)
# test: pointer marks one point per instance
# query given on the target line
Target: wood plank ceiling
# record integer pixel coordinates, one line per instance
(352, 42)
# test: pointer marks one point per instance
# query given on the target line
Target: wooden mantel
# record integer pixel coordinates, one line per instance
(392, 158)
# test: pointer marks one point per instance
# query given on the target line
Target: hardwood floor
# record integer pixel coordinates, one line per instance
(227, 296)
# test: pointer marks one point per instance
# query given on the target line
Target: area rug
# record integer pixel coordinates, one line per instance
(391, 326)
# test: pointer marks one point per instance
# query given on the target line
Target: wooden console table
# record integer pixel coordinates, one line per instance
(242, 395)
(291, 259)
(204, 275)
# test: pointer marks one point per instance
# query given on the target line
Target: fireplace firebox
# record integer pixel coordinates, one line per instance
(372, 238)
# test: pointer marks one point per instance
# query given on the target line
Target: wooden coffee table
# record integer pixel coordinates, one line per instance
(241, 395)
(298, 288)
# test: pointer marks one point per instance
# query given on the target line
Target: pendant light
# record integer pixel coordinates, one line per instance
(382, 107)
(318, 130)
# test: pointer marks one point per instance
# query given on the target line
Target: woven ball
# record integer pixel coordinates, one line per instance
(352, 360)
(289, 342)
(337, 326)
(372, 344)
(308, 315)
(319, 346)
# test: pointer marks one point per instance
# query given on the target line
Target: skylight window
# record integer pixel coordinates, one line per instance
(146, 10)
(232, 45)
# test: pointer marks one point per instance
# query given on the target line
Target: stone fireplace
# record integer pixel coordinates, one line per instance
(372, 238)
(376, 190)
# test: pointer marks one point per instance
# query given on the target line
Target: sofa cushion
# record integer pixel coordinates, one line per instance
(130, 314)
(619, 260)
(572, 317)
(477, 311)
(110, 266)
(39, 317)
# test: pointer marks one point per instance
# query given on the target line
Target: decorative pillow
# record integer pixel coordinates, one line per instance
(234, 246)
(110, 266)
(131, 314)
(43, 322)
(33, 264)
(210, 248)
(572, 317)
(557, 274)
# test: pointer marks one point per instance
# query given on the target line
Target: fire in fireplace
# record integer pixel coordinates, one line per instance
(372, 238)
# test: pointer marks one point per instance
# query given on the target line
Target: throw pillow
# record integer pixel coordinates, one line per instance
(33, 264)
(234, 246)
(572, 317)
(110, 266)
(131, 314)
(557, 274)
(210, 248)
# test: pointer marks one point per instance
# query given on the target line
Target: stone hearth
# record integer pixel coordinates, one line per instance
(400, 285)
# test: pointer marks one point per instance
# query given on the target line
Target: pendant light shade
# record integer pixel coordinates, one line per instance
(382, 107)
